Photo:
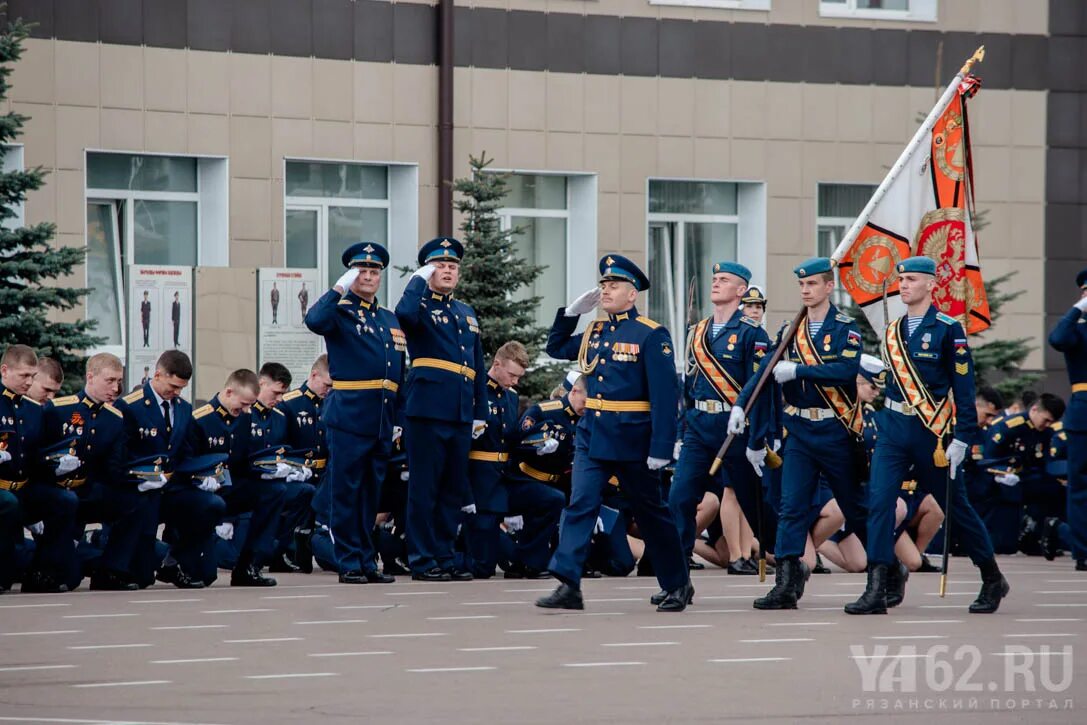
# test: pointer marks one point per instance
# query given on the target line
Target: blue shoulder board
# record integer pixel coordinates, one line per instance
(842, 317)
(946, 319)
(749, 321)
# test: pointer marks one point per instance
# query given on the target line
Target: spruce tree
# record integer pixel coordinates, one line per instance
(30, 266)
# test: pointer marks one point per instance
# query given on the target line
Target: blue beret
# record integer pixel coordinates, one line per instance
(917, 265)
(815, 265)
(1081, 279)
(617, 267)
(366, 254)
(754, 294)
(441, 249)
(209, 464)
(733, 268)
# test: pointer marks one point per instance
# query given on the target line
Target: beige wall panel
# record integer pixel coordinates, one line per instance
(1027, 231)
(417, 144)
(428, 215)
(462, 97)
(991, 118)
(856, 165)
(489, 93)
(784, 112)
(1028, 277)
(602, 156)
(995, 16)
(528, 100)
(675, 106)
(292, 87)
(209, 82)
(415, 93)
(565, 101)
(632, 229)
(528, 149)
(275, 224)
(77, 129)
(165, 73)
(71, 210)
(638, 103)
(712, 115)
(373, 92)
(39, 136)
(32, 78)
(606, 7)
(225, 320)
(675, 156)
(712, 158)
(785, 176)
(462, 146)
(121, 76)
(808, 246)
(748, 109)
(1028, 117)
(992, 171)
(251, 84)
(495, 143)
(565, 151)
(961, 13)
(122, 129)
(638, 161)
(748, 157)
(250, 209)
(892, 115)
(209, 134)
(333, 140)
(602, 103)
(1029, 16)
(820, 114)
(77, 84)
(373, 141)
(607, 220)
(246, 253)
(250, 140)
(333, 90)
(41, 205)
(1027, 174)
(290, 137)
(995, 240)
(783, 225)
(854, 110)
(166, 132)
(790, 12)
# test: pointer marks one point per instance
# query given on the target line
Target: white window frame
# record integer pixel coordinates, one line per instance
(721, 4)
(840, 296)
(921, 11)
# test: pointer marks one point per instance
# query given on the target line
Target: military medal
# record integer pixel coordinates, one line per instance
(925, 339)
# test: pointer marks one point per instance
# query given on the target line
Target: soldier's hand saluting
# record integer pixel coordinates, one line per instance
(426, 272)
(346, 280)
(586, 302)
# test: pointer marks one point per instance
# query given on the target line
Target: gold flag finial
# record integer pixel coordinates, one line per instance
(977, 57)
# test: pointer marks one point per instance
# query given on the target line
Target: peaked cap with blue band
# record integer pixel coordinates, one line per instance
(618, 267)
(441, 249)
(366, 254)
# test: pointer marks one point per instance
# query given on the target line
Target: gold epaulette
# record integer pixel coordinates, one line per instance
(296, 393)
(1014, 421)
(133, 396)
(551, 405)
(202, 411)
(648, 322)
(110, 408)
(66, 400)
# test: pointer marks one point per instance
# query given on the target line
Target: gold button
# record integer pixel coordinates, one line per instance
(600, 378)
(599, 395)
(598, 414)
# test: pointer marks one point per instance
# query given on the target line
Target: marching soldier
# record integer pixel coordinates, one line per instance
(929, 366)
(446, 407)
(487, 460)
(818, 379)
(366, 349)
(628, 430)
(1070, 337)
(723, 352)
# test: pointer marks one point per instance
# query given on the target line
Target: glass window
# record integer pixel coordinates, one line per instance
(164, 232)
(527, 191)
(302, 238)
(542, 241)
(838, 206)
(692, 197)
(915, 10)
(141, 173)
(340, 181)
(348, 225)
(104, 271)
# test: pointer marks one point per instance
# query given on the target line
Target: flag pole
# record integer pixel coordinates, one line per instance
(900, 164)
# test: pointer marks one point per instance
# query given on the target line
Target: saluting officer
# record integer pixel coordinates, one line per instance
(628, 430)
(929, 367)
(366, 349)
(446, 407)
(1070, 338)
(818, 378)
(722, 352)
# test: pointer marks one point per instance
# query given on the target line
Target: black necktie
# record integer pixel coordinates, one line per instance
(166, 415)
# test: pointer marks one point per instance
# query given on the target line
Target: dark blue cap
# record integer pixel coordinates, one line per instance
(618, 267)
(754, 295)
(267, 458)
(571, 378)
(1081, 279)
(366, 254)
(209, 464)
(917, 265)
(62, 447)
(733, 268)
(147, 467)
(813, 266)
(873, 370)
(445, 249)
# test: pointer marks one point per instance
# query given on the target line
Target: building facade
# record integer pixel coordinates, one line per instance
(230, 135)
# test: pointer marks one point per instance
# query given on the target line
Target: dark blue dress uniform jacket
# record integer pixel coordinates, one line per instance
(24, 416)
(486, 476)
(1070, 337)
(100, 443)
(145, 428)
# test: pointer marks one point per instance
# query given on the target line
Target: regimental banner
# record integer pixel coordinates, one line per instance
(925, 209)
(160, 306)
(283, 298)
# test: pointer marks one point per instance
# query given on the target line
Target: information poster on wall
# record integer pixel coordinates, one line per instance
(283, 298)
(160, 308)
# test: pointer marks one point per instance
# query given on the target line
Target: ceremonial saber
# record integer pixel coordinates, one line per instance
(947, 536)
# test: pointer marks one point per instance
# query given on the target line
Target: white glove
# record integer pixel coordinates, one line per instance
(67, 464)
(37, 529)
(153, 485)
(757, 459)
(347, 278)
(956, 452)
(784, 372)
(655, 464)
(210, 484)
(397, 432)
(548, 447)
(514, 523)
(776, 446)
(4, 456)
(586, 302)
(225, 531)
(298, 475)
(426, 272)
(478, 426)
(469, 509)
(282, 471)
(598, 527)
(736, 421)
(1081, 305)
(1007, 479)
(676, 449)
(404, 475)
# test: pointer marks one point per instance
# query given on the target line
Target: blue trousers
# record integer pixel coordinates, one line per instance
(481, 543)
(264, 499)
(437, 489)
(55, 507)
(11, 535)
(191, 516)
(642, 488)
(540, 506)
(904, 441)
(356, 470)
(129, 514)
(1077, 493)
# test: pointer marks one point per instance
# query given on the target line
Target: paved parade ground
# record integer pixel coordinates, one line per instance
(312, 650)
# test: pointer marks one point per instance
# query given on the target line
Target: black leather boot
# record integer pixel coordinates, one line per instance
(786, 580)
(802, 580)
(564, 597)
(1050, 539)
(677, 600)
(994, 587)
(897, 574)
(874, 599)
